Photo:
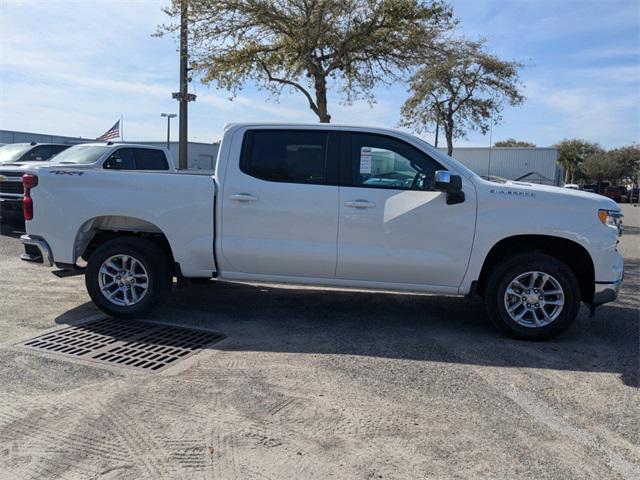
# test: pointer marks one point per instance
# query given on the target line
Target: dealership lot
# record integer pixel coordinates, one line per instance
(320, 384)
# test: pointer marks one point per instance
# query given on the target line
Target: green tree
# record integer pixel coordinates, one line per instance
(572, 152)
(310, 45)
(627, 160)
(460, 88)
(512, 142)
(598, 167)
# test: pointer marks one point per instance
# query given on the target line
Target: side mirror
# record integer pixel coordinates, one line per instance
(451, 184)
(113, 163)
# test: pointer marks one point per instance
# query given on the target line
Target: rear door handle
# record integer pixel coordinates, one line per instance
(360, 204)
(243, 197)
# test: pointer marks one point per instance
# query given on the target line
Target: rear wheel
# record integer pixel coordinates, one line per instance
(532, 296)
(128, 277)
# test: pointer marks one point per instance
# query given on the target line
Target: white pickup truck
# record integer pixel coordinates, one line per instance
(335, 206)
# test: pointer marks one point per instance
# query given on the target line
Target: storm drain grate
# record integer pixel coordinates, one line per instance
(139, 344)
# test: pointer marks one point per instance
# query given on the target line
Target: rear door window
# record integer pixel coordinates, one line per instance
(290, 156)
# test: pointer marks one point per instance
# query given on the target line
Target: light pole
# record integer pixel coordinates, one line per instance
(183, 96)
(169, 117)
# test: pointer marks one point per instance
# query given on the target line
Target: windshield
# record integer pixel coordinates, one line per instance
(81, 154)
(12, 153)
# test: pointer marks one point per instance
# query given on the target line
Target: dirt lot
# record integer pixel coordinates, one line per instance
(321, 384)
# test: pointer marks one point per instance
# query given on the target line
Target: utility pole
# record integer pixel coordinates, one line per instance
(183, 96)
(169, 117)
(490, 147)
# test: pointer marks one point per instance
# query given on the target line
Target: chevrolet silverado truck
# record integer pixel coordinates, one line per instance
(329, 205)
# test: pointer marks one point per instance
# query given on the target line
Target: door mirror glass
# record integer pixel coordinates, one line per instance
(447, 182)
(451, 184)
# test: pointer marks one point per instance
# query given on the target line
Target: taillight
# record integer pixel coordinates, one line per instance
(28, 182)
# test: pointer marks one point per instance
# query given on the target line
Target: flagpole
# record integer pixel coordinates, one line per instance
(121, 129)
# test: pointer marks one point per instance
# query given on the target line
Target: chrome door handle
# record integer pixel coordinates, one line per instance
(360, 204)
(243, 197)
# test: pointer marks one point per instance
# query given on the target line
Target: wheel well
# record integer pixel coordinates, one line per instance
(574, 255)
(97, 231)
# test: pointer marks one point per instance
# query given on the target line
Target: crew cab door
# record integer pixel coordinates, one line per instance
(280, 205)
(394, 228)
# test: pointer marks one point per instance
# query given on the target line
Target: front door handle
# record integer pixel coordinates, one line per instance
(243, 197)
(360, 204)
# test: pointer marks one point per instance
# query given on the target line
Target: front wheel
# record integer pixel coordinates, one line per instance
(128, 277)
(532, 296)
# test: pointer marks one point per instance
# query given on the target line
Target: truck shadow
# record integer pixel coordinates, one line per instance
(415, 327)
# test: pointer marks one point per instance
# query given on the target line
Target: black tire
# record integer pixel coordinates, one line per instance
(512, 267)
(154, 260)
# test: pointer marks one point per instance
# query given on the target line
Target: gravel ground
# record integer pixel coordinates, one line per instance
(321, 384)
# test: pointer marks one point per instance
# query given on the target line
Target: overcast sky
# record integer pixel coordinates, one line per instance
(73, 67)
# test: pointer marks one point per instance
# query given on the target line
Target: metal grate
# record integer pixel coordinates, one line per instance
(130, 343)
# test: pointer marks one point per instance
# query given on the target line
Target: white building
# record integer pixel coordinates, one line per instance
(529, 164)
(202, 156)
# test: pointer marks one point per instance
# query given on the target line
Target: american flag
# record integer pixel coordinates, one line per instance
(113, 132)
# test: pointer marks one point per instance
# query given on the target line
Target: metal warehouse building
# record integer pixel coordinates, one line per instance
(202, 156)
(535, 165)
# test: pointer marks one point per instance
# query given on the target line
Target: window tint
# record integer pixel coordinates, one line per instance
(286, 155)
(121, 159)
(55, 149)
(378, 161)
(150, 159)
(37, 154)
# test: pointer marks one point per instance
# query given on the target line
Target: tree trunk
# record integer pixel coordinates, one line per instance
(448, 132)
(321, 99)
(437, 131)
(568, 174)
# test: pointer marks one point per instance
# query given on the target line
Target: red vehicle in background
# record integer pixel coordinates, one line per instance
(614, 193)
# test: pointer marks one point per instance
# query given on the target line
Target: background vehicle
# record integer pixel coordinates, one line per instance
(572, 186)
(294, 204)
(109, 155)
(614, 193)
(13, 156)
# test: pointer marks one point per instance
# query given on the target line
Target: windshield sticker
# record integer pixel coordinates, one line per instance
(365, 160)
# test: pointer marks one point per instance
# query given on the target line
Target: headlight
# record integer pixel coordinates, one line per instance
(612, 219)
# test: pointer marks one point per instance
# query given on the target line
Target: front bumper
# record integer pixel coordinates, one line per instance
(606, 292)
(36, 250)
